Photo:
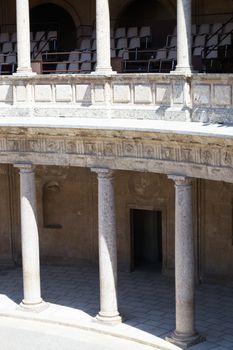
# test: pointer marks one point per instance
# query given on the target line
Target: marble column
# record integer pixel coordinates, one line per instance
(23, 38)
(29, 239)
(107, 248)
(103, 52)
(185, 334)
(184, 37)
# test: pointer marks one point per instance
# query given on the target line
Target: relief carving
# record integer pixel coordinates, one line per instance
(109, 149)
(186, 155)
(130, 150)
(167, 153)
(90, 148)
(227, 158)
(206, 157)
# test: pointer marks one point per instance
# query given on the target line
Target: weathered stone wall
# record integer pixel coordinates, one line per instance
(5, 217)
(217, 235)
(76, 241)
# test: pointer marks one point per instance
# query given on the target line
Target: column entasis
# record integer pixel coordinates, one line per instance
(103, 53)
(107, 248)
(184, 37)
(29, 240)
(185, 334)
(23, 37)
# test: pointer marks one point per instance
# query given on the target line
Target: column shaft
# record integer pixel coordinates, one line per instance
(107, 248)
(184, 259)
(103, 52)
(184, 36)
(185, 334)
(23, 37)
(29, 238)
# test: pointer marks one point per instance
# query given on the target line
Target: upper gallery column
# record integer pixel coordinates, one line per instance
(103, 53)
(107, 248)
(184, 37)
(29, 240)
(185, 334)
(23, 37)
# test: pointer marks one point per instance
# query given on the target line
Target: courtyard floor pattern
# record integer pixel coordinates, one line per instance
(146, 300)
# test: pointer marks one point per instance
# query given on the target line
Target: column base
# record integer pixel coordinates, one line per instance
(104, 71)
(184, 341)
(182, 71)
(108, 320)
(38, 307)
(24, 73)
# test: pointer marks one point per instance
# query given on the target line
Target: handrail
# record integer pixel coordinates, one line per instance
(37, 53)
(61, 58)
(210, 49)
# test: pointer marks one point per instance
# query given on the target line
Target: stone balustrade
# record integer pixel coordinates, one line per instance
(199, 97)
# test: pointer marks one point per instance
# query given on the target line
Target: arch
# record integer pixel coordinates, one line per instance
(169, 4)
(49, 16)
(159, 15)
(62, 3)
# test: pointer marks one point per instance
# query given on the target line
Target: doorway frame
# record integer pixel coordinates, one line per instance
(163, 211)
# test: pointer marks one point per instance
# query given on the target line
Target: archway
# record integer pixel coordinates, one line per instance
(154, 13)
(48, 17)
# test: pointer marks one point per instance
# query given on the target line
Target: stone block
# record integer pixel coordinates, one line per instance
(63, 93)
(6, 93)
(21, 93)
(99, 93)
(83, 93)
(142, 93)
(202, 94)
(222, 95)
(178, 93)
(121, 93)
(163, 94)
(43, 93)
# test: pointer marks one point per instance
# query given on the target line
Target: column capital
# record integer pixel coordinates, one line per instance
(25, 167)
(180, 180)
(103, 172)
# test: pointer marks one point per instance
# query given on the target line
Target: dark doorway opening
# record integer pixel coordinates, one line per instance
(48, 17)
(146, 239)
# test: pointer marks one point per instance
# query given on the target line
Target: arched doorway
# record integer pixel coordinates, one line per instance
(154, 13)
(49, 17)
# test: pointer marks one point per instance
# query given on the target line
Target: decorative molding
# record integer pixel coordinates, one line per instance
(203, 155)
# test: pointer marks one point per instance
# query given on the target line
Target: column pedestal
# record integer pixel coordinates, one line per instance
(185, 334)
(32, 300)
(107, 249)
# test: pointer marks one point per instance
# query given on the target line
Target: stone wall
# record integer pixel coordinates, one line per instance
(76, 241)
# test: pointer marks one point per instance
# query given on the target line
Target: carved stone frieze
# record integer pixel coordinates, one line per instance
(120, 148)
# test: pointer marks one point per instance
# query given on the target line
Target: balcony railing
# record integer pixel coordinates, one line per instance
(201, 97)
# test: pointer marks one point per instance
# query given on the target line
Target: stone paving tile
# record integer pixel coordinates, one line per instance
(146, 300)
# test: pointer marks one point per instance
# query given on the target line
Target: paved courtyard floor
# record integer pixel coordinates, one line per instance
(146, 300)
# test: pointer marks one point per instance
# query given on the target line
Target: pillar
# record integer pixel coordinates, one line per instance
(29, 239)
(107, 248)
(23, 37)
(185, 334)
(103, 52)
(184, 37)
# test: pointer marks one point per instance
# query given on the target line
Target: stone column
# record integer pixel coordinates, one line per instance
(103, 53)
(23, 38)
(29, 240)
(107, 248)
(185, 334)
(184, 37)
